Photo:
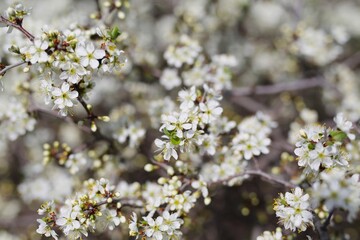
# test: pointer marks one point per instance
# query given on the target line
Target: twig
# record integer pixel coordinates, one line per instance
(279, 87)
(327, 220)
(67, 119)
(18, 27)
(322, 228)
(260, 173)
(91, 116)
(7, 68)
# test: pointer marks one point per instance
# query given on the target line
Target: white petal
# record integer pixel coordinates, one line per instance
(99, 54)
(90, 48)
(94, 63)
(65, 87)
(80, 51)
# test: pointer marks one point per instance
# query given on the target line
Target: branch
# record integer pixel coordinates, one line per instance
(91, 116)
(279, 87)
(18, 27)
(260, 173)
(5, 69)
(322, 228)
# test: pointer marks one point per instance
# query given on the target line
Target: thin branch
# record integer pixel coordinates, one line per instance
(98, 7)
(18, 27)
(7, 68)
(56, 115)
(91, 116)
(327, 220)
(260, 173)
(279, 87)
(322, 228)
(270, 178)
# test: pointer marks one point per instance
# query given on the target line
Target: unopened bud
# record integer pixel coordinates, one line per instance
(170, 171)
(149, 167)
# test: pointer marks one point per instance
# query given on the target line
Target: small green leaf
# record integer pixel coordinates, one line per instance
(167, 132)
(338, 135)
(175, 140)
(114, 33)
(311, 146)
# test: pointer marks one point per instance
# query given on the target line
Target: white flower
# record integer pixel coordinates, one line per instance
(344, 125)
(177, 123)
(73, 72)
(208, 143)
(185, 52)
(75, 161)
(133, 225)
(170, 79)
(211, 111)
(172, 222)
(167, 149)
(67, 220)
(111, 217)
(187, 98)
(45, 229)
(320, 156)
(194, 77)
(155, 227)
(64, 97)
(89, 55)
(36, 53)
(267, 235)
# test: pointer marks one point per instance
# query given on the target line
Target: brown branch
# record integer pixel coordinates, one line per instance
(279, 87)
(18, 27)
(91, 116)
(56, 115)
(260, 173)
(322, 228)
(7, 68)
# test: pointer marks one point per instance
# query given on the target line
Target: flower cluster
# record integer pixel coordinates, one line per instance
(165, 226)
(14, 119)
(132, 132)
(337, 189)
(252, 138)
(185, 129)
(315, 45)
(16, 13)
(185, 51)
(267, 235)
(293, 210)
(320, 148)
(96, 205)
(67, 61)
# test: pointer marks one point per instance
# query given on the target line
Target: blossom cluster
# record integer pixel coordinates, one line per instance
(14, 119)
(293, 210)
(67, 60)
(96, 207)
(337, 189)
(320, 148)
(188, 52)
(165, 226)
(185, 129)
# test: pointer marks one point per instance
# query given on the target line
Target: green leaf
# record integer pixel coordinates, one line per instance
(114, 33)
(167, 132)
(175, 140)
(338, 135)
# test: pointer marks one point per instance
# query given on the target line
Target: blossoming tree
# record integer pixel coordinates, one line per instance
(122, 134)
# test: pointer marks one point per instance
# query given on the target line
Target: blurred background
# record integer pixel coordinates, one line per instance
(295, 60)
